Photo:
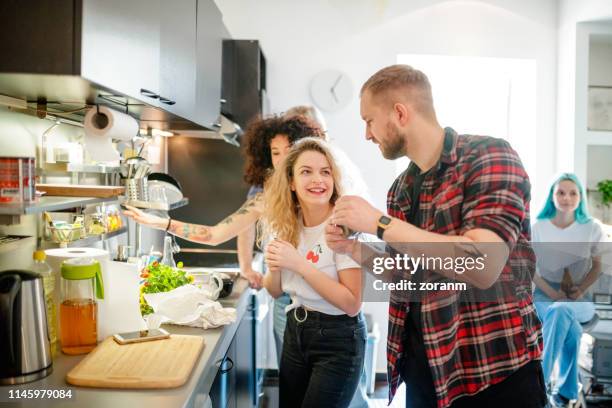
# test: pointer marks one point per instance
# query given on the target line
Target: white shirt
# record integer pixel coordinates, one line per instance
(313, 247)
(582, 242)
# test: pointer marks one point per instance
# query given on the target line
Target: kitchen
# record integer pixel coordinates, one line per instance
(168, 64)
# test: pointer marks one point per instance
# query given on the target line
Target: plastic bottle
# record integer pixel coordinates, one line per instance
(41, 267)
(168, 258)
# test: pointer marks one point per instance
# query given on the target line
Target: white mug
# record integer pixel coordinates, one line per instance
(211, 283)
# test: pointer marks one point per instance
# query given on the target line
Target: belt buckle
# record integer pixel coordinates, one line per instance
(296, 317)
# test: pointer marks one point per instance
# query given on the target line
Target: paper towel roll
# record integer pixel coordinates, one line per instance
(56, 256)
(103, 124)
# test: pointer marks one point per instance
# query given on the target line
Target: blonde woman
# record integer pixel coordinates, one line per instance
(325, 335)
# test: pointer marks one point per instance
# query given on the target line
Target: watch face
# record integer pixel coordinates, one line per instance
(331, 90)
(384, 220)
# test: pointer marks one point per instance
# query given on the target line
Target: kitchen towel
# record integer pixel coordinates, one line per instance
(187, 305)
(103, 124)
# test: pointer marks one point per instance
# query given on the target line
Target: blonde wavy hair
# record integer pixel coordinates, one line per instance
(281, 217)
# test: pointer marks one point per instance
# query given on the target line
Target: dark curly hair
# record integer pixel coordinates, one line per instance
(257, 139)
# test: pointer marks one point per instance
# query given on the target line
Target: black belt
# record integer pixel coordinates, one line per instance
(300, 314)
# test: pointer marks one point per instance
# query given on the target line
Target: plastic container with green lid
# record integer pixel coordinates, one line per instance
(81, 286)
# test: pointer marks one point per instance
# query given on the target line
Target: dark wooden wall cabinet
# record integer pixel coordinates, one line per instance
(158, 59)
(243, 90)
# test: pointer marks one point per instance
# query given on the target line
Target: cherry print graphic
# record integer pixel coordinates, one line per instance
(313, 254)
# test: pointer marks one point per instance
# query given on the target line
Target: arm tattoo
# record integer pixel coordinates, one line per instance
(192, 232)
(245, 209)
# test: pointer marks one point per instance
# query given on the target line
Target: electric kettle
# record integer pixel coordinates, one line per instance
(24, 338)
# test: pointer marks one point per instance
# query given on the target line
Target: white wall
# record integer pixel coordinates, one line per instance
(571, 94)
(361, 36)
(600, 63)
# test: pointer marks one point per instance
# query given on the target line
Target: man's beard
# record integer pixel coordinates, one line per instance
(395, 147)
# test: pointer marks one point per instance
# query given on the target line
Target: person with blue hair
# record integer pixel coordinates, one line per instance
(564, 273)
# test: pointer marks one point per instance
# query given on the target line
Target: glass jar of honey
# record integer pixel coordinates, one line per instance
(81, 285)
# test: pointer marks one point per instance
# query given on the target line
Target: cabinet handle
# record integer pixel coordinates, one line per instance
(148, 93)
(166, 101)
(227, 370)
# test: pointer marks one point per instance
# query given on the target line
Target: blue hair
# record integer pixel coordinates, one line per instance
(581, 213)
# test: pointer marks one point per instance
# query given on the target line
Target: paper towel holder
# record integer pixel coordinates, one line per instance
(109, 99)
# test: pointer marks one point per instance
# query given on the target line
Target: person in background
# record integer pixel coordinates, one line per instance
(325, 334)
(458, 189)
(561, 284)
(309, 112)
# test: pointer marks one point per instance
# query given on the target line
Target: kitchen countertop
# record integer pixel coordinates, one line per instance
(193, 393)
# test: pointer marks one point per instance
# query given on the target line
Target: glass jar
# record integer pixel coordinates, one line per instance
(96, 223)
(81, 284)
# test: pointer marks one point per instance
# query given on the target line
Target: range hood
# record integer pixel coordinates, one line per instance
(225, 129)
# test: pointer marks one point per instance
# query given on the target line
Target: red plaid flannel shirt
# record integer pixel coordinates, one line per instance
(479, 182)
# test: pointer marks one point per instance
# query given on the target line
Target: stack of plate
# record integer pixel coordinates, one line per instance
(164, 188)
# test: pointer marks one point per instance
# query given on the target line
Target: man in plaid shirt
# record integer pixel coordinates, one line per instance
(457, 189)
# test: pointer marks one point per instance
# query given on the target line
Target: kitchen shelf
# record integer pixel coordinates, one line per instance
(87, 241)
(11, 242)
(50, 204)
(93, 168)
(145, 205)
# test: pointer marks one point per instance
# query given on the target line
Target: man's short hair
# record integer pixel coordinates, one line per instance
(402, 80)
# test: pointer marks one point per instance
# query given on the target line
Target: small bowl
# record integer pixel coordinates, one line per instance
(67, 233)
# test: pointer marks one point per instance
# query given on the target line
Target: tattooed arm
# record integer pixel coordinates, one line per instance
(225, 230)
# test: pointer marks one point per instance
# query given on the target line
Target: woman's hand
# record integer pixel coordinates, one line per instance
(576, 292)
(557, 295)
(255, 278)
(143, 218)
(282, 255)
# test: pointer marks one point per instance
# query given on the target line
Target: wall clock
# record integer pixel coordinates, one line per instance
(331, 90)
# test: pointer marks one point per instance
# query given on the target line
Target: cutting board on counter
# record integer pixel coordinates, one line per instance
(152, 364)
(80, 190)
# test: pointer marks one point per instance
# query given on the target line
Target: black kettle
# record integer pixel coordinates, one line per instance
(24, 339)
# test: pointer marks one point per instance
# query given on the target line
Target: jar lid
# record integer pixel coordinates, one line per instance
(84, 268)
(39, 255)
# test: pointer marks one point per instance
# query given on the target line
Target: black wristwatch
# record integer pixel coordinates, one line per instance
(383, 224)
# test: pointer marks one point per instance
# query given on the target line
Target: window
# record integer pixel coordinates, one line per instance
(483, 96)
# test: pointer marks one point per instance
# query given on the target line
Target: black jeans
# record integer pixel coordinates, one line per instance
(322, 359)
(524, 388)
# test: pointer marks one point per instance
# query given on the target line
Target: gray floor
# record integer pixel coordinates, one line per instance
(377, 400)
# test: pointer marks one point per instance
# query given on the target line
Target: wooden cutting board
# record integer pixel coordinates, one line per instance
(80, 190)
(152, 364)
